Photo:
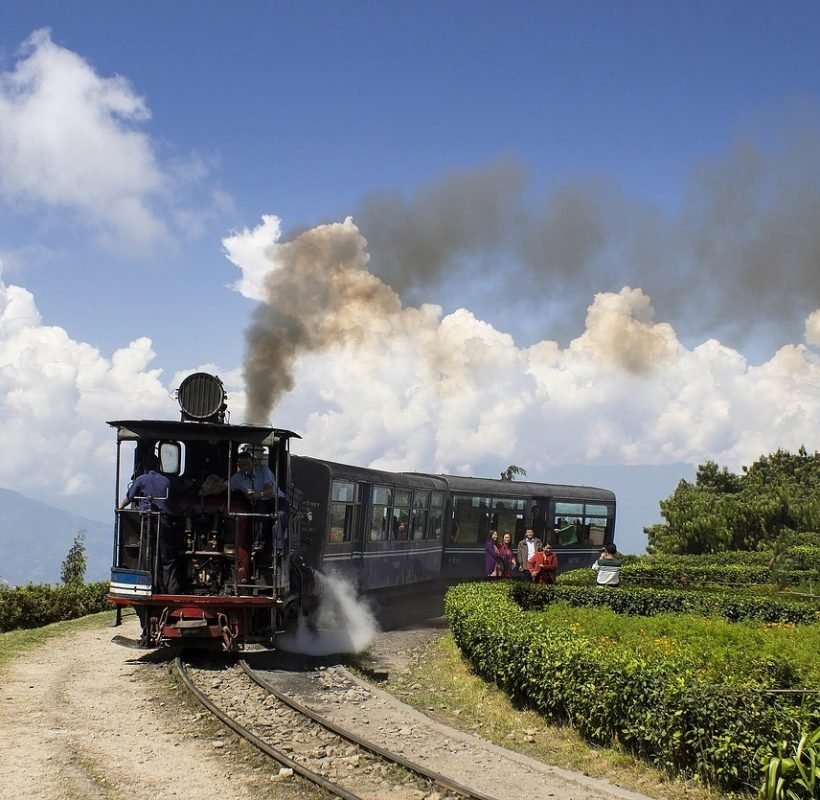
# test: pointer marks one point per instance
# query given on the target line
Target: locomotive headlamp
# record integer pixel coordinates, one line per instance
(202, 398)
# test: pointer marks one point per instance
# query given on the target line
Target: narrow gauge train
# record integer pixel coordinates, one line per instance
(187, 564)
(407, 534)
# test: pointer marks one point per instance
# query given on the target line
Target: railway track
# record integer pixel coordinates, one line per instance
(339, 761)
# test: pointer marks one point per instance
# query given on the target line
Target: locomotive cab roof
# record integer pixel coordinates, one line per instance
(131, 430)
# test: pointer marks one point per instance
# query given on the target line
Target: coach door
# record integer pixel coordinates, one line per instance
(537, 517)
(343, 554)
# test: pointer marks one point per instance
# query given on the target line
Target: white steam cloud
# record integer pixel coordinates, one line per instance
(343, 623)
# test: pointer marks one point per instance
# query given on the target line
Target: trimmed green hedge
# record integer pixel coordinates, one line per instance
(804, 557)
(674, 574)
(36, 605)
(758, 558)
(687, 707)
(733, 606)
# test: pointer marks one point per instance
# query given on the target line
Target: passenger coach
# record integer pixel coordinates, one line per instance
(395, 532)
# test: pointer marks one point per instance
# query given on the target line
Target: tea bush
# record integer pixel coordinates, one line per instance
(689, 695)
(675, 574)
(636, 601)
(36, 605)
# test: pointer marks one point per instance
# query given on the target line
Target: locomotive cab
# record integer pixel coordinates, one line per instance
(201, 558)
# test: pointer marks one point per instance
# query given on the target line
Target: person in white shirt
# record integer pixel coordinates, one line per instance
(608, 567)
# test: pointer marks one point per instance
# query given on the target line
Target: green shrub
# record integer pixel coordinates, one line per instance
(804, 556)
(36, 605)
(733, 606)
(689, 695)
(667, 573)
(795, 776)
(759, 558)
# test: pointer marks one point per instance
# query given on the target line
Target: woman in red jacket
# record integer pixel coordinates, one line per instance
(543, 565)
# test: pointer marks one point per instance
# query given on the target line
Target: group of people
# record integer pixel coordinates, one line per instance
(532, 557)
(539, 562)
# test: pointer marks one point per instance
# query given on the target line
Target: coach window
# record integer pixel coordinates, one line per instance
(569, 523)
(418, 521)
(595, 524)
(401, 514)
(344, 500)
(170, 458)
(436, 515)
(508, 515)
(471, 519)
(381, 500)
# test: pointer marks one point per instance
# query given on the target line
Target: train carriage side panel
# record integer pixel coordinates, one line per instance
(382, 530)
(478, 505)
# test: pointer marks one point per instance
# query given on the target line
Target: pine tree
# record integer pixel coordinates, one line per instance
(73, 568)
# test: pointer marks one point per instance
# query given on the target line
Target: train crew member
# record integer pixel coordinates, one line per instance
(543, 565)
(492, 556)
(151, 491)
(608, 567)
(256, 482)
(508, 561)
(527, 548)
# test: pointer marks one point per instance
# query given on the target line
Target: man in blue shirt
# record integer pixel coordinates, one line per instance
(257, 482)
(150, 491)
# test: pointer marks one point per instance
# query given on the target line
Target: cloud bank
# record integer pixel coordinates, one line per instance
(368, 380)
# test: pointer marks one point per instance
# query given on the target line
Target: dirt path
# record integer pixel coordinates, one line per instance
(78, 719)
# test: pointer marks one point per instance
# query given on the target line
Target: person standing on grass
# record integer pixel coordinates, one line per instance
(543, 565)
(608, 567)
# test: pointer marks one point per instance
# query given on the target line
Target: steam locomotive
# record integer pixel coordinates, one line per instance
(191, 564)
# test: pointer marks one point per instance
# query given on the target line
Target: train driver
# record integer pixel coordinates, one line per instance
(257, 482)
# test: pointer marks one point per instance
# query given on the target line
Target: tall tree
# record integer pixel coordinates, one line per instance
(73, 568)
(723, 511)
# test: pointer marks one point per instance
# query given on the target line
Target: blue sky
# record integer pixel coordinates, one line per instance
(546, 153)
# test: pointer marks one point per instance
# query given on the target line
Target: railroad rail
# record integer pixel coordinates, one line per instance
(324, 773)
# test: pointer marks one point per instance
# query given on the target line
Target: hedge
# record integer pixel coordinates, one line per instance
(665, 703)
(804, 557)
(668, 574)
(759, 558)
(36, 605)
(733, 606)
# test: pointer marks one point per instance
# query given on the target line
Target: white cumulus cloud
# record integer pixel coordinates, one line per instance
(73, 140)
(55, 396)
(416, 389)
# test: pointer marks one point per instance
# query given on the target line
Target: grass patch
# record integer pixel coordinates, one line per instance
(15, 643)
(442, 685)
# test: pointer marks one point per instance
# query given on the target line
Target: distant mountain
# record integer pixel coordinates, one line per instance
(35, 539)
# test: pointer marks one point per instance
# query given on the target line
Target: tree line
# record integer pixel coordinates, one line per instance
(772, 503)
